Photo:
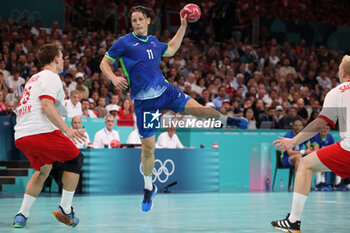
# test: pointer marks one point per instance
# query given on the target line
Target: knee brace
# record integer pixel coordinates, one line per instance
(75, 164)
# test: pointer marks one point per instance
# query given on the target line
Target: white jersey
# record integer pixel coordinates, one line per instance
(31, 120)
(336, 106)
(164, 141)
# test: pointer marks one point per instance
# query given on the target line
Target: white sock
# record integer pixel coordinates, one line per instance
(27, 203)
(66, 201)
(318, 178)
(223, 119)
(337, 180)
(148, 182)
(297, 207)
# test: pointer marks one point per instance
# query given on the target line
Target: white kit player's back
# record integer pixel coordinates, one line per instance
(30, 118)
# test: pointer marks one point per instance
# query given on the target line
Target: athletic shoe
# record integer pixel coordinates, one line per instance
(68, 219)
(322, 187)
(147, 203)
(341, 187)
(237, 122)
(19, 221)
(286, 226)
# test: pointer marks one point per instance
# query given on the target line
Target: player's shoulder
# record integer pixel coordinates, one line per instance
(154, 38)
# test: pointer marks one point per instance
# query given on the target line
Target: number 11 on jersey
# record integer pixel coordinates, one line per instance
(150, 54)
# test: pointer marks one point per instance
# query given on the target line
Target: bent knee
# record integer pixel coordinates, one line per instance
(148, 150)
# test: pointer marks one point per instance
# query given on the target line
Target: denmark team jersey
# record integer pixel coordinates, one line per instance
(31, 120)
(140, 58)
(336, 106)
(322, 142)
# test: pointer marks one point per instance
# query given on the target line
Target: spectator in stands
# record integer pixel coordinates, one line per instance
(104, 137)
(3, 86)
(15, 83)
(79, 79)
(114, 110)
(292, 157)
(23, 68)
(76, 124)
(286, 122)
(169, 139)
(249, 116)
(269, 117)
(2, 101)
(104, 93)
(323, 80)
(249, 55)
(278, 114)
(9, 111)
(114, 101)
(286, 68)
(126, 111)
(100, 109)
(302, 112)
(68, 83)
(239, 82)
(85, 108)
(221, 96)
(3, 70)
(73, 104)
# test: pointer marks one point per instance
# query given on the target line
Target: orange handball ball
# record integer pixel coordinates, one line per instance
(193, 12)
(115, 143)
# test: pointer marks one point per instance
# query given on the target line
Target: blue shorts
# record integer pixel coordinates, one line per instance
(148, 111)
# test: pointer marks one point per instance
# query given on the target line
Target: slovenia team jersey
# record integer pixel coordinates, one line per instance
(140, 58)
(317, 139)
(299, 147)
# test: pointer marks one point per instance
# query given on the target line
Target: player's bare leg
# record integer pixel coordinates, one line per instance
(70, 180)
(195, 109)
(34, 187)
(307, 167)
(147, 159)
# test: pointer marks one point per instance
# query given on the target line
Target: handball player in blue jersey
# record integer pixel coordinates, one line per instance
(140, 56)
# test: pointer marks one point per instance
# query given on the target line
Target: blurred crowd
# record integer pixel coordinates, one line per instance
(270, 85)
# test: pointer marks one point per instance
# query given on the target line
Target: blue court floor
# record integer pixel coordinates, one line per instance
(212, 212)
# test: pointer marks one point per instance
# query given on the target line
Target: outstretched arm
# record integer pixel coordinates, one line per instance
(175, 42)
(308, 132)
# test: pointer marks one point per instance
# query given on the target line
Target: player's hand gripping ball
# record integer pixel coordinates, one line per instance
(193, 12)
(115, 143)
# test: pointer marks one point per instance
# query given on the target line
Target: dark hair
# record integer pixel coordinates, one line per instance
(148, 12)
(47, 53)
(15, 70)
(84, 100)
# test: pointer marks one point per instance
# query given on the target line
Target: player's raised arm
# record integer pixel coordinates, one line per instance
(176, 41)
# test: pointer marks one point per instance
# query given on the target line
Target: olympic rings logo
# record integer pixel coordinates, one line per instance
(162, 169)
(17, 15)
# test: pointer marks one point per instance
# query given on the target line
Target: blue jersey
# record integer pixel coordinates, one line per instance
(322, 142)
(140, 58)
(299, 147)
